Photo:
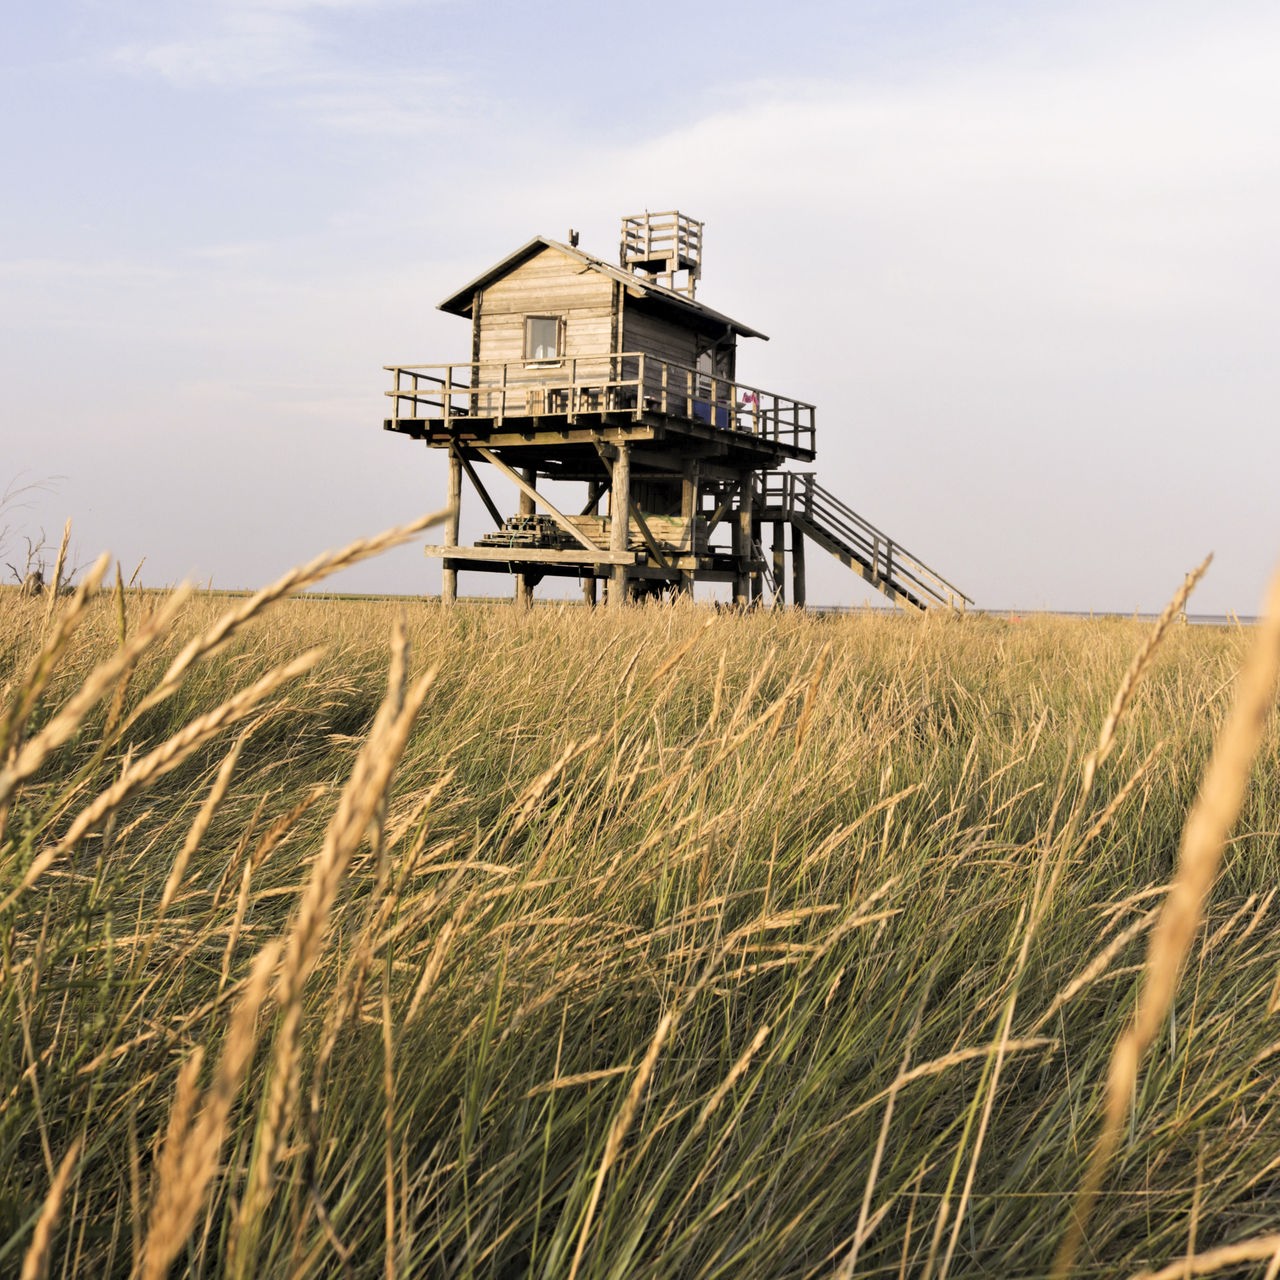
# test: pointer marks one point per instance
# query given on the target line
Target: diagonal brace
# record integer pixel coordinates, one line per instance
(526, 488)
(649, 540)
(479, 488)
(723, 509)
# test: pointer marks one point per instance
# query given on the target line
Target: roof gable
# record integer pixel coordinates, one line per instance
(460, 302)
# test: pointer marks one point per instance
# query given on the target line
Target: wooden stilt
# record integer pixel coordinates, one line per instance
(689, 514)
(620, 521)
(449, 575)
(756, 578)
(779, 565)
(797, 568)
(590, 588)
(524, 584)
(742, 543)
(756, 549)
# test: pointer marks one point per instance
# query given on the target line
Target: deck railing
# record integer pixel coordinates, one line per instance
(632, 383)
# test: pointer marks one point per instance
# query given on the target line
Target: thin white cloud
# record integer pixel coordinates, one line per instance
(398, 105)
(226, 45)
(52, 270)
(284, 50)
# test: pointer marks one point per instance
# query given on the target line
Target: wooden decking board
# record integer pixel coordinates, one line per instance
(529, 555)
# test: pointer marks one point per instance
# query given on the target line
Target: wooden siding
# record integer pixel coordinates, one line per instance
(677, 344)
(657, 336)
(657, 497)
(670, 532)
(549, 284)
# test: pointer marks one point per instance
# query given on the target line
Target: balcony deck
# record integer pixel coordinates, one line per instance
(574, 396)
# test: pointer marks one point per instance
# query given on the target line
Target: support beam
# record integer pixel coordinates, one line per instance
(620, 522)
(589, 591)
(449, 575)
(797, 568)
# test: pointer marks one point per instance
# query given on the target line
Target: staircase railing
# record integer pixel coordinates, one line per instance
(886, 562)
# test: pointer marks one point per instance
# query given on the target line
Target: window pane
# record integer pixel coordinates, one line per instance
(542, 337)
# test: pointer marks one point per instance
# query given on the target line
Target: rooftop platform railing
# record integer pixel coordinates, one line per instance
(651, 237)
(632, 384)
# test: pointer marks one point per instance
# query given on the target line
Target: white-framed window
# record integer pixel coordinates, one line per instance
(543, 338)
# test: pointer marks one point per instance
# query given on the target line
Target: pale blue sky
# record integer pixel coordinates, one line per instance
(1023, 258)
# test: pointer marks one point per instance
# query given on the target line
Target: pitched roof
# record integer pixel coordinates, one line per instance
(459, 303)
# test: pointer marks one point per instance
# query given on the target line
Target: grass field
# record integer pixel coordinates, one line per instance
(661, 943)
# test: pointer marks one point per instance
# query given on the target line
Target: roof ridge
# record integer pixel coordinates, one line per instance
(459, 302)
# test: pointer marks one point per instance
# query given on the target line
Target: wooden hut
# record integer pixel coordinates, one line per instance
(617, 378)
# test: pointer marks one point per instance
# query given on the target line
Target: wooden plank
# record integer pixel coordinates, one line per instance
(530, 555)
(526, 488)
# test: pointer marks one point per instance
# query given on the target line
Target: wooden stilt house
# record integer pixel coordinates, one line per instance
(617, 378)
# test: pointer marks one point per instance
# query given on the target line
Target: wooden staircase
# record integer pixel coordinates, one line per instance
(796, 498)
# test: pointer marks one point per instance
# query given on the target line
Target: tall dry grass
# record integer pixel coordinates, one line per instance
(660, 943)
